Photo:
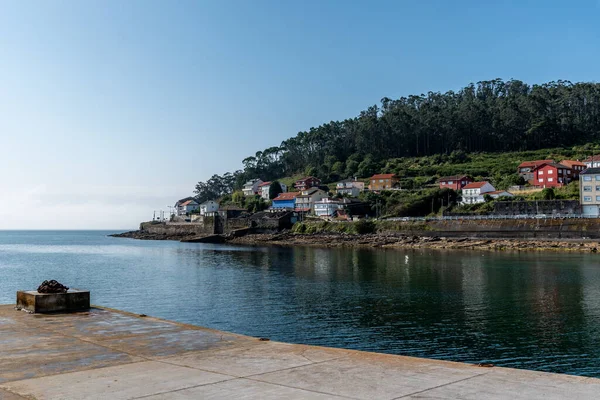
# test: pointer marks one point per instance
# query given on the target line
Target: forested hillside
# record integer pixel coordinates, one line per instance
(490, 116)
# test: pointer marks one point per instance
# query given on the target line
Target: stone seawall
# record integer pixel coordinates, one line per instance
(179, 229)
(525, 228)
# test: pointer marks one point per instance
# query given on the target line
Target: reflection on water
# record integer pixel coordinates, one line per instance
(535, 311)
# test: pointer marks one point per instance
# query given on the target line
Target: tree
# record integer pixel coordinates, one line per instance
(238, 197)
(274, 189)
(487, 116)
(256, 204)
(548, 194)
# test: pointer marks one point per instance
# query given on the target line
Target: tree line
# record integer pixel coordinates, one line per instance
(489, 116)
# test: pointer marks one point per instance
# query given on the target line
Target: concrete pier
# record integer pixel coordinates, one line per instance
(109, 354)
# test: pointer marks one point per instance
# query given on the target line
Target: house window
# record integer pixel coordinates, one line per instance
(587, 178)
(597, 188)
(540, 180)
(587, 198)
(450, 182)
(550, 172)
(587, 188)
(597, 198)
(598, 177)
(381, 180)
(550, 179)
(568, 172)
(541, 173)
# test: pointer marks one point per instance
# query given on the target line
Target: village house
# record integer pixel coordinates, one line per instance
(306, 200)
(208, 207)
(250, 188)
(455, 182)
(285, 201)
(473, 193)
(187, 207)
(592, 162)
(589, 192)
(307, 183)
(177, 208)
(525, 169)
(263, 189)
(551, 175)
(349, 187)
(575, 168)
(327, 207)
(383, 182)
(345, 208)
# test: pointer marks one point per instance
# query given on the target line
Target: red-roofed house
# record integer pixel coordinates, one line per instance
(307, 183)
(285, 201)
(525, 169)
(187, 207)
(575, 168)
(473, 192)
(383, 182)
(456, 182)
(551, 175)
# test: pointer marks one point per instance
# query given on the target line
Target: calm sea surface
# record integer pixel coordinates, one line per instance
(534, 311)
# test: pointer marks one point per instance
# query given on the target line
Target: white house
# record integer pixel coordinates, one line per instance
(209, 206)
(307, 199)
(251, 187)
(187, 207)
(350, 187)
(592, 162)
(327, 207)
(473, 192)
(263, 189)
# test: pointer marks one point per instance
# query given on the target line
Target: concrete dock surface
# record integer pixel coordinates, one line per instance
(109, 354)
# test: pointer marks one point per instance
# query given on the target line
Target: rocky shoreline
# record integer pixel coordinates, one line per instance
(329, 240)
(142, 235)
(336, 240)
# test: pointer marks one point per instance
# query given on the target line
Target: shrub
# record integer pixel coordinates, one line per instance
(364, 226)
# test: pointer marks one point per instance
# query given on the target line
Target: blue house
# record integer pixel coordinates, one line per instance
(285, 201)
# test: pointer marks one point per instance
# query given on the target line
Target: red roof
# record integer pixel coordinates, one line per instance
(186, 203)
(287, 196)
(550, 164)
(592, 158)
(264, 184)
(307, 178)
(475, 185)
(534, 163)
(383, 176)
(571, 163)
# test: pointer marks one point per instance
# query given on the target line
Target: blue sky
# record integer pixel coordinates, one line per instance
(111, 110)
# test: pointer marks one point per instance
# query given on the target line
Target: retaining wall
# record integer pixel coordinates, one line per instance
(525, 228)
